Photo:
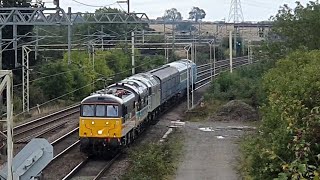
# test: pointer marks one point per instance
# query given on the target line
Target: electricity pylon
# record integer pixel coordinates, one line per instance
(235, 14)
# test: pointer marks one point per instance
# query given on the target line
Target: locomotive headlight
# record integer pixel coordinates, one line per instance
(92, 123)
(107, 122)
(100, 132)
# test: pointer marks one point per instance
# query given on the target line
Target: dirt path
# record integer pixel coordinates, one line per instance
(211, 151)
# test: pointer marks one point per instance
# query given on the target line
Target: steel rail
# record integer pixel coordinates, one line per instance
(236, 58)
(64, 136)
(222, 65)
(44, 123)
(40, 133)
(76, 169)
(65, 150)
(201, 86)
(44, 117)
(106, 167)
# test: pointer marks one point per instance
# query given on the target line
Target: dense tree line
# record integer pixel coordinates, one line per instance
(284, 86)
(72, 82)
(51, 75)
(287, 144)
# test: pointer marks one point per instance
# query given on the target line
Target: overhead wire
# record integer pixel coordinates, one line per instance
(96, 80)
(118, 35)
(121, 6)
(52, 75)
(57, 74)
(61, 96)
(90, 5)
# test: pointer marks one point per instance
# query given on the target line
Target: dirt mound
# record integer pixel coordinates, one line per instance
(238, 111)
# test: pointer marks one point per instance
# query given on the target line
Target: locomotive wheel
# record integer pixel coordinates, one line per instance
(133, 135)
(124, 140)
(129, 138)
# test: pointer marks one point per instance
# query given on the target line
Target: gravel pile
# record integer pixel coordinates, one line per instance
(238, 111)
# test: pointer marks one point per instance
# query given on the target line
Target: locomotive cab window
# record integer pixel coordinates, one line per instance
(101, 110)
(112, 111)
(88, 110)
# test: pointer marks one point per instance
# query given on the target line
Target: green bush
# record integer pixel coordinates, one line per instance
(55, 85)
(243, 83)
(155, 161)
(149, 62)
(288, 145)
(36, 96)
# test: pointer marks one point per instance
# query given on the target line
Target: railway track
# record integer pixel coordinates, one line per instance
(39, 127)
(206, 71)
(63, 149)
(94, 169)
(69, 143)
(65, 143)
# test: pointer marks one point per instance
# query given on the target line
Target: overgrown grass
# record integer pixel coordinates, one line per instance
(44, 110)
(243, 84)
(156, 161)
(209, 109)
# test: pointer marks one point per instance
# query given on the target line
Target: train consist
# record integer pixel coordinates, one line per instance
(113, 117)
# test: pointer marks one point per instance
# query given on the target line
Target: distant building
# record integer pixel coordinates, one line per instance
(252, 31)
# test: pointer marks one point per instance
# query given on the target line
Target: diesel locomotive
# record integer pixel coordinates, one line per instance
(113, 117)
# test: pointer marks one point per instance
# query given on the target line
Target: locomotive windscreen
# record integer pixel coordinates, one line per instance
(100, 110)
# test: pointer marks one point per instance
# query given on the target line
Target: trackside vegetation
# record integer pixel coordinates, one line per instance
(155, 160)
(72, 82)
(287, 145)
(244, 84)
(287, 94)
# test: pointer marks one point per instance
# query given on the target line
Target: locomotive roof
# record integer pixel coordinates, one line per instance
(102, 97)
(165, 72)
(186, 60)
(139, 87)
(142, 79)
(180, 65)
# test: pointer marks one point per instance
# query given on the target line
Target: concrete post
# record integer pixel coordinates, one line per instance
(230, 47)
(69, 36)
(132, 53)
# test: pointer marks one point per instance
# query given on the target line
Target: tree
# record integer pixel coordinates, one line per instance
(172, 15)
(196, 14)
(15, 3)
(186, 26)
(149, 62)
(57, 85)
(298, 27)
(287, 145)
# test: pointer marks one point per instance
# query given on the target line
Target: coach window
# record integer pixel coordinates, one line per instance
(88, 110)
(112, 111)
(101, 110)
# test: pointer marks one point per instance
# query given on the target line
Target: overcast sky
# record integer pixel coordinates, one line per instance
(253, 10)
